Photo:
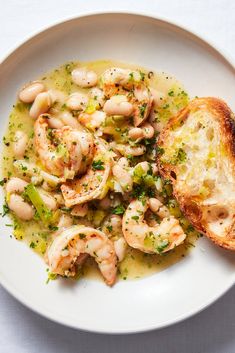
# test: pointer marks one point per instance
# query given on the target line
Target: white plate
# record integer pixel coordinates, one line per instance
(181, 290)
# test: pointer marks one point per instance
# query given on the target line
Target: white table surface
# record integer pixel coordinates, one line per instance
(211, 331)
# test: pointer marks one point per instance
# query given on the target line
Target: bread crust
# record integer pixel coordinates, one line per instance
(190, 205)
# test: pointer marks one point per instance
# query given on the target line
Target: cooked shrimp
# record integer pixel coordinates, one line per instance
(120, 247)
(64, 152)
(138, 234)
(92, 184)
(119, 77)
(92, 121)
(76, 240)
(131, 84)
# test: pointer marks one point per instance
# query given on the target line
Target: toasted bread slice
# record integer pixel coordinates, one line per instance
(198, 156)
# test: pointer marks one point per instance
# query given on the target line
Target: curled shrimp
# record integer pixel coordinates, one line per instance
(76, 240)
(64, 152)
(92, 184)
(158, 239)
(118, 81)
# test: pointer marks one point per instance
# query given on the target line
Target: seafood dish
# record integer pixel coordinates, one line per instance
(113, 169)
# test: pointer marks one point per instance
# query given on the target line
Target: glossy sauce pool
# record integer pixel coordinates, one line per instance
(136, 264)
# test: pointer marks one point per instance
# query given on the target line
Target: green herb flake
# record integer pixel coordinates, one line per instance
(131, 76)
(119, 210)
(135, 218)
(171, 93)
(52, 228)
(142, 75)
(2, 182)
(160, 150)
(32, 245)
(98, 165)
(142, 109)
(51, 277)
(5, 210)
(82, 236)
(162, 246)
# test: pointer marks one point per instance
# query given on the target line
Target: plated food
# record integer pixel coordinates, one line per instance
(113, 162)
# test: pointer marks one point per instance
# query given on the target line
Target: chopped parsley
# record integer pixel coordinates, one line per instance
(162, 246)
(82, 236)
(131, 76)
(142, 109)
(135, 218)
(66, 209)
(159, 150)
(179, 157)
(32, 245)
(119, 210)
(141, 191)
(98, 165)
(5, 210)
(171, 93)
(142, 75)
(51, 277)
(52, 228)
(2, 182)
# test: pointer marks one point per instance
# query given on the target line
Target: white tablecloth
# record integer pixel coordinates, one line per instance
(211, 331)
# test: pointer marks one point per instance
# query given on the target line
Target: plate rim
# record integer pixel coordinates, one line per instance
(164, 20)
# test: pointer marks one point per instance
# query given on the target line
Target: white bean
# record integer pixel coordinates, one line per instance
(68, 119)
(123, 177)
(54, 123)
(98, 95)
(84, 78)
(80, 210)
(118, 105)
(136, 133)
(144, 165)
(20, 144)
(135, 151)
(154, 204)
(21, 208)
(123, 162)
(120, 247)
(57, 96)
(157, 207)
(148, 130)
(163, 212)
(15, 185)
(41, 105)
(30, 91)
(49, 200)
(77, 101)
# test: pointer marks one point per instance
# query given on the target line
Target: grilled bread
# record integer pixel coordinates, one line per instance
(197, 153)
